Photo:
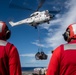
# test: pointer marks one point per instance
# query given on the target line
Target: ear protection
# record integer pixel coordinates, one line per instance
(66, 35)
(7, 33)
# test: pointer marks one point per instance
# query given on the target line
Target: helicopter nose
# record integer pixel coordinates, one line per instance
(51, 16)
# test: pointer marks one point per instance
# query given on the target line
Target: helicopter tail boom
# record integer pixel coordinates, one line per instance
(16, 23)
(12, 23)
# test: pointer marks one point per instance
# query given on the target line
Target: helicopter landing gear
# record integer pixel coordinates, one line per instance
(35, 27)
(48, 22)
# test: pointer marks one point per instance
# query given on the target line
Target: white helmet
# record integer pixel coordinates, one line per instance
(70, 32)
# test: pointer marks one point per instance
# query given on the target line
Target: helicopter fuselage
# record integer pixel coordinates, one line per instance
(40, 17)
(35, 19)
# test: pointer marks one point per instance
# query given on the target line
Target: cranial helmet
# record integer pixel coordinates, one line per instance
(70, 33)
(4, 31)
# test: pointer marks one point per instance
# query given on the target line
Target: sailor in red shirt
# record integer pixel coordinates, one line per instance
(63, 60)
(9, 57)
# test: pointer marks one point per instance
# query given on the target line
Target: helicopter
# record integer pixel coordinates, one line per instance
(36, 18)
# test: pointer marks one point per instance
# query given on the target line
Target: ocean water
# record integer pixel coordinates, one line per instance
(29, 68)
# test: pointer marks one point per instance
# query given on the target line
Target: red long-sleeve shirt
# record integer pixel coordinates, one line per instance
(63, 60)
(9, 59)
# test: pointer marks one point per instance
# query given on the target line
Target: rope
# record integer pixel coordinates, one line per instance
(39, 39)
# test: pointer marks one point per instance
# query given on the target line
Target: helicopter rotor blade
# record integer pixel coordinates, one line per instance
(54, 11)
(12, 5)
(40, 4)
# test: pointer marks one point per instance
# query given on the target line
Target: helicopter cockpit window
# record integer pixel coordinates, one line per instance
(34, 14)
(46, 13)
